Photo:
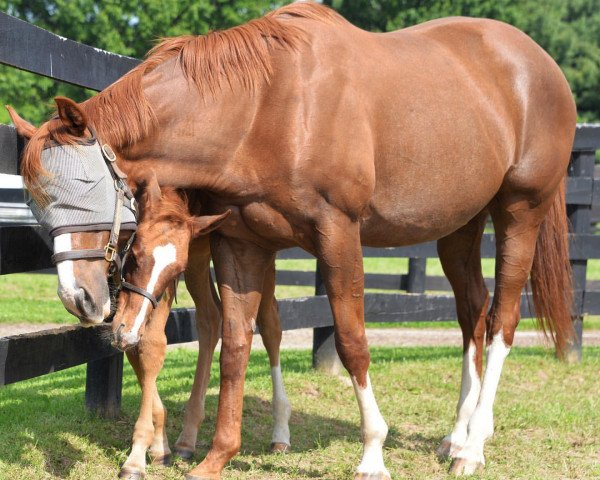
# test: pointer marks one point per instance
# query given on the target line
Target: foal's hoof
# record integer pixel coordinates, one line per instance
(447, 449)
(164, 460)
(371, 476)
(463, 466)
(186, 455)
(131, 474)
(279, 447)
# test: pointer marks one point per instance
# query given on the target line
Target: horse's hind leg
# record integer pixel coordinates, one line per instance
(516, 225)
(270, 331)
(208, 326)
(459, 253)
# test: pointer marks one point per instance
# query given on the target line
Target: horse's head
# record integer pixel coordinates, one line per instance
(73, 196)
(157, 257)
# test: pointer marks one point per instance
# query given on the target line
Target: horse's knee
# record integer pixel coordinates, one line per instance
(354, 354)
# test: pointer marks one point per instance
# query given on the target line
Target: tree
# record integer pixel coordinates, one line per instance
(128, 27)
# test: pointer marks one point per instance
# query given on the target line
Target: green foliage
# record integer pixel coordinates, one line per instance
(568, 29)
(129, 27)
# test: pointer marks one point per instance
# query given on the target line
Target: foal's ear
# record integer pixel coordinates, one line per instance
(150, 191)
(24, 128)
(71, 115)
(207, 223)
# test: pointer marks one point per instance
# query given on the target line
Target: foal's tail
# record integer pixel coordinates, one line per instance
(551, 276)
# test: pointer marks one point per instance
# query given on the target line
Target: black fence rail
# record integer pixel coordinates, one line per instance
(25, 248)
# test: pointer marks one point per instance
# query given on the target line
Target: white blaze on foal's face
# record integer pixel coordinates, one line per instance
(163, 256)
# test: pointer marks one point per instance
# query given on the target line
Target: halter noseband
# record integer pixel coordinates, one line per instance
(140, 291)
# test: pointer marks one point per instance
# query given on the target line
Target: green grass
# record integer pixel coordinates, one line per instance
(547, 417)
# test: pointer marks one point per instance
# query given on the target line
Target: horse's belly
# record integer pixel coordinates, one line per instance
(399, 215)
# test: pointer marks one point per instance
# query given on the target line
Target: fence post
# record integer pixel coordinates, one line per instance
(325, 357)
(103, 384)
(582, 165)
(416, 275)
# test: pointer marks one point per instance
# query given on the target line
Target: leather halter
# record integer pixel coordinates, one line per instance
(140, 291)
(110, 251)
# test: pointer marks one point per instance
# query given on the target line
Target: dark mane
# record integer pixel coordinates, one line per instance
(237, 57)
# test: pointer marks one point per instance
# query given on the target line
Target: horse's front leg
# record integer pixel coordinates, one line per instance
(240, 268)
(149, 433)
(340, 260)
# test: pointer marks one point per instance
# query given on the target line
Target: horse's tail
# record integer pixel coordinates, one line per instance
(551, 276)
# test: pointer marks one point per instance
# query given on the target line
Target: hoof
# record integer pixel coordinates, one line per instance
(371, 476)
(164, 460)
(278, 447)
(463, 466)
(131, 474)
(447, 449)
(186, 455)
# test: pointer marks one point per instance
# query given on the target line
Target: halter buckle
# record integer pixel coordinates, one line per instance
(108, 153)
(110, 253)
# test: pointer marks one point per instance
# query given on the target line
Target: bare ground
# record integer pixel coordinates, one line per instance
(384, 337)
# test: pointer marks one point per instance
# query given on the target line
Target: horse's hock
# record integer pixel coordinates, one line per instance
(25, 248)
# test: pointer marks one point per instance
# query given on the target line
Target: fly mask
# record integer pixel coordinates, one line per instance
(86, 192)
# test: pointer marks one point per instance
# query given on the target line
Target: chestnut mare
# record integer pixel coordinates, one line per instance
(159, 253)
(320, 135)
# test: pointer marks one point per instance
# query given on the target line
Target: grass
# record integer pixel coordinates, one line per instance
(27, 298)
(547, 417)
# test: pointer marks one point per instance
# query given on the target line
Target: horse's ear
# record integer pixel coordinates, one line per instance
(71, 115)
(207, 223)
(24, 128)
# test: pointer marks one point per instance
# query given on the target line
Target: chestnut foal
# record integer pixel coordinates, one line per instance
(167, 237)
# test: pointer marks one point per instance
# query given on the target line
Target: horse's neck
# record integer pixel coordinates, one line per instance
(195, 144)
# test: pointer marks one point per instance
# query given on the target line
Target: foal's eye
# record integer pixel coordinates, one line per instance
(131, 262)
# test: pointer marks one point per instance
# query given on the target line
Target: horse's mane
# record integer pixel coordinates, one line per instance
(239, 56)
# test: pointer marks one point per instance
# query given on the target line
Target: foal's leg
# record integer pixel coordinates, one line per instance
(461, 260)
(341, 263)
(517, 226)
(240, 268)
(147, 360)
(208, 326)
(270, 331)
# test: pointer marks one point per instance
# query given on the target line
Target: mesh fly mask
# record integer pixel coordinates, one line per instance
(86, 192)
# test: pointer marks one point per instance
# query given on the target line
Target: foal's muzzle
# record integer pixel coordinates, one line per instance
(124, 340)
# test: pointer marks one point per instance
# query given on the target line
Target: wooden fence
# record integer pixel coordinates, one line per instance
(25, 248)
